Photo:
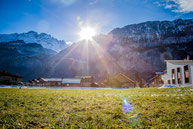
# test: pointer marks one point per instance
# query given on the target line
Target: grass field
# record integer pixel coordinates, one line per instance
(96, 108)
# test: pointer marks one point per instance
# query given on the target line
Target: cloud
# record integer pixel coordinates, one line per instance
(169, 6)
(64, 2)
(181, 6)
(93, 2)
(185, 5)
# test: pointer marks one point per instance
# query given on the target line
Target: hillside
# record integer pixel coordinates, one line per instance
(134, 49)
(139, 48)
(26, 59)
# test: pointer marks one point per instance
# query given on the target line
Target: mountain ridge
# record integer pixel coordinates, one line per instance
(46, 40)
(151, 33)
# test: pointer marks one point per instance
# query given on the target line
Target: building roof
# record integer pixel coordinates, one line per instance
(36, 80)
(4, 73)
(157, 73)
(71, 80)
(83, 77)
(117, 77)
(154, 77)
(52, 79)
(63, 80)
(179, 61)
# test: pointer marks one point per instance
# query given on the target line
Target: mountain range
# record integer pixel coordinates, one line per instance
(134, 49)
(46, 40)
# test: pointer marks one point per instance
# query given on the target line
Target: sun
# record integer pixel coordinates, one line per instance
(87, 33)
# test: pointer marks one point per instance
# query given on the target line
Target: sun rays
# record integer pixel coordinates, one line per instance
(89, 56)
(87, 33)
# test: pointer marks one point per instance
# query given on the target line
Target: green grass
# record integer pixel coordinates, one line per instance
(95, 108)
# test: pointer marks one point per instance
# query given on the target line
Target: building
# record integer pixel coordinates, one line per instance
(50, 81)
(9, 78)
(121, 81)
(80, 81)
(86, 80)
(72, 82)
(156, 81)
(179, 73)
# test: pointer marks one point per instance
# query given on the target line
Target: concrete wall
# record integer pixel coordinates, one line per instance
(175, 65)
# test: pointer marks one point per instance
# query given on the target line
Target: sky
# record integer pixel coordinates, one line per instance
(63, 19)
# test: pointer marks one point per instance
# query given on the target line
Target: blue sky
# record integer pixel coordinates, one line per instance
(64, 18)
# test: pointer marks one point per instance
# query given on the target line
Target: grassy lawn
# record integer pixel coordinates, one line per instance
(95, 108)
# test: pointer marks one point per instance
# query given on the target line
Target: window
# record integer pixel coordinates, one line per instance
(168, 81)
(179, 75)
(173, 76)
(186, 74)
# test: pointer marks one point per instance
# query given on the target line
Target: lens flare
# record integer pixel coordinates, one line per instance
(127, 107)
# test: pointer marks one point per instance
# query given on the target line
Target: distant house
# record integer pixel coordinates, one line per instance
(72, 82)
(179, 73)
(34, 82)
(50, 81)
(156, 81)
(9, 78)
(120, 80)
(86, 80)
(67, 82)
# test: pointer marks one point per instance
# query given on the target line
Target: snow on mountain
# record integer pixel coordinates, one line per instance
(154, 33)
(47, 41)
